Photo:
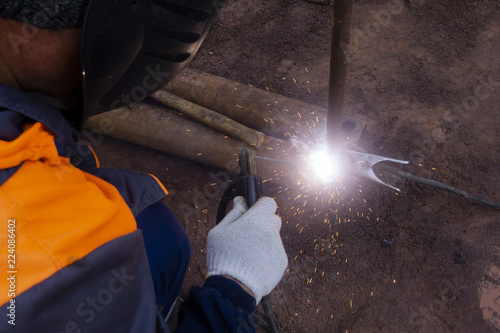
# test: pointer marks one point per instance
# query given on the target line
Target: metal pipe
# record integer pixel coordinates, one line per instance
(211, 118)
(262, 110)
(277, 160)
(342, 11)
(167, 131)
(268, 310)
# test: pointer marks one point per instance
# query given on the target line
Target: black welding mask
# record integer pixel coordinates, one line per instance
(132, 48)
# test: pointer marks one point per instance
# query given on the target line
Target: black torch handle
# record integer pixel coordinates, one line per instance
(253, 189)
(249, 187)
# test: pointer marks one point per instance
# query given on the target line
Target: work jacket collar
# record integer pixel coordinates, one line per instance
(26, 105)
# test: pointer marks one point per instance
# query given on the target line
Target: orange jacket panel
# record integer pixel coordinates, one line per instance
(61, 213)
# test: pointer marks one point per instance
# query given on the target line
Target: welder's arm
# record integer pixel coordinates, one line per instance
(221, 305)
(245, 245)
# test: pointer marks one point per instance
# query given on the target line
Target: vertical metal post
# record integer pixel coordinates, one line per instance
(342, 10)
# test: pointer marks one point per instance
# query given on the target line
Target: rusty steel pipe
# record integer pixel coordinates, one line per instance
(259, 109)
(170, 132)
(342, 11)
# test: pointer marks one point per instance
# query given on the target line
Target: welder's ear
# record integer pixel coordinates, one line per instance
(239, 208)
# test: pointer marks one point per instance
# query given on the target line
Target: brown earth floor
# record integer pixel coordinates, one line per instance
(425, 76)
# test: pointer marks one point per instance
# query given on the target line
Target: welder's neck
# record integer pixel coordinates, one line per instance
(46, 61)
(7, 76)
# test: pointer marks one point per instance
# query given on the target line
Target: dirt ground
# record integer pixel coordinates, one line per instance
(425, 75)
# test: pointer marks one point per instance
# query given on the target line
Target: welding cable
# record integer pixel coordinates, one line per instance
(441, 186)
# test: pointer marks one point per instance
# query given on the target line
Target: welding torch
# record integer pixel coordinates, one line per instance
(249, 186)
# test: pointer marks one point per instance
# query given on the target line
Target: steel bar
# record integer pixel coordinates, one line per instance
(262, 110)
(342, 11)
(268, 310)
(172, 133)
(441, 186)
(277, 160)
(249, 168)
(211, 118)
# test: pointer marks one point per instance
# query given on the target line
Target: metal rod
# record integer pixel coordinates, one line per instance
(342, 11)
(211, 118)
(441, 186)
(268, 311)
(277, 160)
(247, 165)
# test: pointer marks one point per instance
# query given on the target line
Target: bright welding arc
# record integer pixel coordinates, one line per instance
(326, 165)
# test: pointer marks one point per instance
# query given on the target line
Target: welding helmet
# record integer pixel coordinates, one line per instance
(132, 48)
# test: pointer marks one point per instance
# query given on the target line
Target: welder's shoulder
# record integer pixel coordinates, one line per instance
(77, 260)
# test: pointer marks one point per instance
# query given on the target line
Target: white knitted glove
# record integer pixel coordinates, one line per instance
(246, 245)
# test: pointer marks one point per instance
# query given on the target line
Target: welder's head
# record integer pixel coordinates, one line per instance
(46, 14)
(130, 48)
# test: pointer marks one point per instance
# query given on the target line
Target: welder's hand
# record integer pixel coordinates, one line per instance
(246, 245)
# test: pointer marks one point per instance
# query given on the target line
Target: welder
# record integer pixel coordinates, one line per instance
(90, 249)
